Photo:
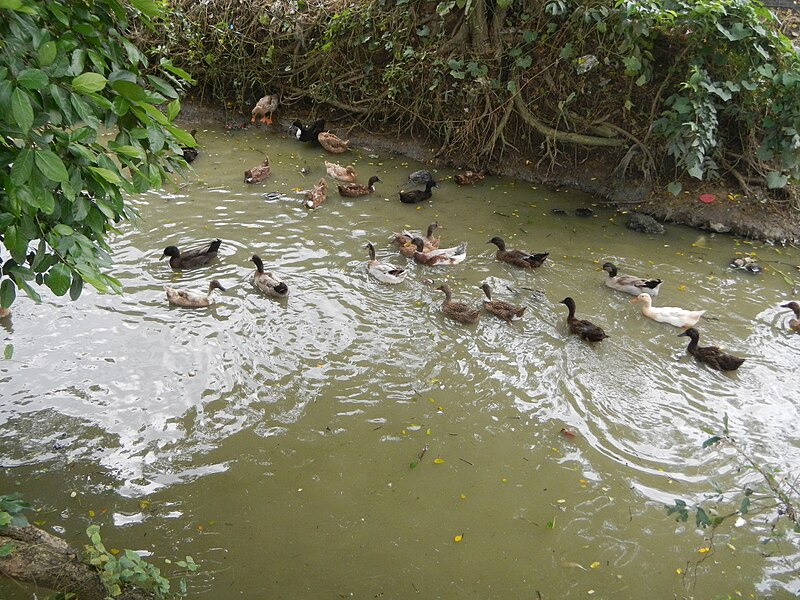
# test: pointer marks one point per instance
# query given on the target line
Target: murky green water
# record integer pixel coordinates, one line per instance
(273, 440)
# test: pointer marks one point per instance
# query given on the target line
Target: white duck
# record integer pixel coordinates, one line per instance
(192, 298)
(679, 317)
(340, 173)
(385, 273)
(629, 283)
(441, 256)
(267, 282)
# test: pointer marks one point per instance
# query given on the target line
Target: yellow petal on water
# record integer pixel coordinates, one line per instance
(114, 551)
(561, 501)
(91, 513)
(419, 208)
(679, 571)
(438, 461)
(681, 288)
(428, 431)
(296, 189)
(462, 496)
(414, 427)
(704, 550)
(144, 504)
(595, 565)
(732, 547)
(459, 537)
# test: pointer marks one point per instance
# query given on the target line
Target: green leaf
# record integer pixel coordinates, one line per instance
(16, 243)
(106, 174)
(51, 165)
(87, 83)
(8, 293)
(566, 52)
(22, 167)
(167, 64)
(76, 287)
(47, 53)
(511, 86)
(744, 506)
(675, 188)
(8, 351)
(173, 108)
(711, 441)
(776, 180)
(701, 518)
(33, 79)
(7, 549)
(21, 109)
(58, 279)
(129, 90)
(148, 7)
(524, 62)
(11, 4)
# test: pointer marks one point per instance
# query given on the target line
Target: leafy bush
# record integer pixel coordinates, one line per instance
(68, 72)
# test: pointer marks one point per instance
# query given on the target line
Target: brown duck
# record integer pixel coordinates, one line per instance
(517, 257)
(461, 312)
(257, 174)
(498, 308)
(710, 355)
(794, 323)
(586, 329)
(354, 190)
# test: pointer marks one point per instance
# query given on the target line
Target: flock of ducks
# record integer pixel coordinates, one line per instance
(425, 250)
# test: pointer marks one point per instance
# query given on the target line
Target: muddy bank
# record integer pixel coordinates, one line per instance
(728, 212)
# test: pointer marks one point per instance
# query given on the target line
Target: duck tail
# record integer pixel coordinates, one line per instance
(651, 284)
(214, 246)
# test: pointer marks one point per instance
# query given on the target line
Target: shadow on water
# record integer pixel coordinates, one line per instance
(346, 436)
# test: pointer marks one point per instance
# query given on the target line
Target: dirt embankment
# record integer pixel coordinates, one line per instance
(728, 212)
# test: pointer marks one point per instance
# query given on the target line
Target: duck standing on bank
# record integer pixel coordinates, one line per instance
(354, 190)
(192, 258)
(794, 324)
(710, 355)
(193, 298)
(267, 282)
(585, 329)
(498, 308)
(383, 272)
(264, 107)
(518, 258)
(416, 196)
(678, 317)
(460, 311)
(628, 283)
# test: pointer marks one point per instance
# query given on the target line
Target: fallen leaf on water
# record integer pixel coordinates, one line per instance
(459, 537)
(595, 565)
(438, 461)
(462, 496)
(91, 513)
(704, 550)
(681, 288)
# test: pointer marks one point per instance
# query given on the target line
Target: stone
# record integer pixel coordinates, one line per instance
(644, 224)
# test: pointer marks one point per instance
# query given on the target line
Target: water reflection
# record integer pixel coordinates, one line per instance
(338, 388)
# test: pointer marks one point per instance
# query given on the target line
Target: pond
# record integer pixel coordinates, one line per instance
(352, 441)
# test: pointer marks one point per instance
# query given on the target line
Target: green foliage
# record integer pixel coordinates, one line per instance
(68, 72)
(128, 569)
(11, 513)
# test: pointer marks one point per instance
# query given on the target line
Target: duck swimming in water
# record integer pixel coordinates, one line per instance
(710, 355)
(794, 324)
(461, 312)
(416, 196)
(267, 282)
(630, 284)
(585, 329)
(192, 298)
(678, 317)
(517, 257)
(354, 190)
(310, 133)
(498, 308)
(383, 272)
(192, 258)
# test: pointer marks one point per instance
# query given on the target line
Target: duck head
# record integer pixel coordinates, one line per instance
(644, 299)
(171, 251)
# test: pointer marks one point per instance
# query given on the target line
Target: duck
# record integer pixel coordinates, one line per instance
(746, 263)
(420, 177)
(264, 109)
(710, 355)
(441, 256)
(354, 190)
(332, 143)
(517, 257)
(794, 324)
(267, 282)
(630, 284)
(383, 272)
(469, 177)
(193, 298)
(415, 196)
(195, 257)
(585, 329)
(407, 247)
(340, 173)
(310, 133)
(461, 312)
(678, 317)
(259, 173)
(190, 153)
(498, 308)
(317, 194)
